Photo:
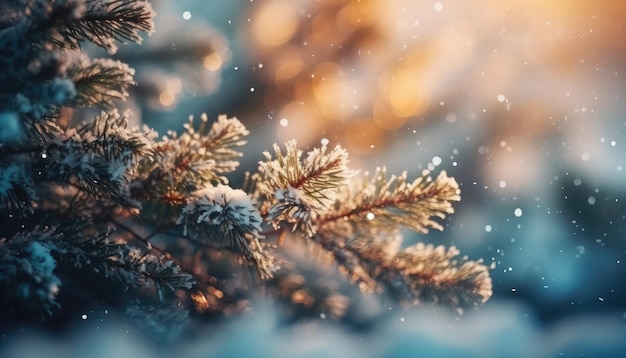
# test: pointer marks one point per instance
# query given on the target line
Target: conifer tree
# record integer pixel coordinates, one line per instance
(97, 212)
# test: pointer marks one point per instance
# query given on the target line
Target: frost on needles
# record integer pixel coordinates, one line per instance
(96, 212)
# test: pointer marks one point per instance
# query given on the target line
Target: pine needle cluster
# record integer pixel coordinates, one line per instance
(152, 227)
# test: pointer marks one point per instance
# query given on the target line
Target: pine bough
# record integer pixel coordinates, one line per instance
(154, 221)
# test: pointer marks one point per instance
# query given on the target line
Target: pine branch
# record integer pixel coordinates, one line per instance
(28, 283)
(16, 188)
(104, 22)
(218, 147)
(80, 256)
(127, 267)
(44, 97)
(389, 203)
(101, 156)
(36, 74)
(415, 275)
(340, 240)
(424, 273)
(163, 274)
(199, 157)
(34, 84)
(218, 291)
(33, 78)
(227, 216)
(46, 17)
(362, 228)
(100, 82)
(302, 188)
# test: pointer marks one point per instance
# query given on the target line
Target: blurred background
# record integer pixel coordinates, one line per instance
(521, 101)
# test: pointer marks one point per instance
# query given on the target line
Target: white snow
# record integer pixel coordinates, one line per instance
(43, 265)
(233, 205)
(10, 128)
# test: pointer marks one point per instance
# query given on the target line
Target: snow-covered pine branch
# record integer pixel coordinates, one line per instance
(388, 203)
(228, 217)
(39, 75)
(31, 261)
(302, 188)
(100, 81)
(34, 82)
(99, 157)
(362, 228)
(427, 274)
(27, 277)
(414, 275)
(192, 161)
(16, 187)
(103, 22)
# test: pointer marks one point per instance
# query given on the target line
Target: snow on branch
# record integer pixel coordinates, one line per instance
(27, 277)
(16, 187)
(44, 97)
(302, 188)
(101, 156)
(33, 78)
(153, 270)
(30, 261)
(39, 75)
(229, 218)
(122, 265)
(33, 83)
